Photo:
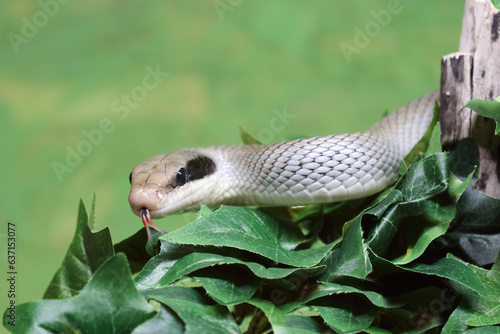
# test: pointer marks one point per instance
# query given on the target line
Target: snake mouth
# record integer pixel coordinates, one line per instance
(146, 220)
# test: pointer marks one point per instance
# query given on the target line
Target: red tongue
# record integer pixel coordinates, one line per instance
(146, 220)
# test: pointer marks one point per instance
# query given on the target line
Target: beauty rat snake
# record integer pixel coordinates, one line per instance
(297, 172)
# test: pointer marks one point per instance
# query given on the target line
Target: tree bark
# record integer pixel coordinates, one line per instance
(474, 72)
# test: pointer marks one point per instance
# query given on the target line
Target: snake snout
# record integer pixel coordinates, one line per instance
(143, 200)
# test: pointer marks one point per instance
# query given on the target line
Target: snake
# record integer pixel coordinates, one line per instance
(298, 172)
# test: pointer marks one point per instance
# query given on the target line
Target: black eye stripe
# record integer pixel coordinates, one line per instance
(200, 167)
(195, 169)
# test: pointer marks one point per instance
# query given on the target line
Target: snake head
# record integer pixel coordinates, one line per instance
(171, 183)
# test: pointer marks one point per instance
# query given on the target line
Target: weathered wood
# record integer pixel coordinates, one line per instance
(474, 72)
(456, 91)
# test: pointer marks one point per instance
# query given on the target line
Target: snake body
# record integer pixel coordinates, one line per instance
(297, 172)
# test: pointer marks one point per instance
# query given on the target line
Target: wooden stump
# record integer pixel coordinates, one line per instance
(474, 72)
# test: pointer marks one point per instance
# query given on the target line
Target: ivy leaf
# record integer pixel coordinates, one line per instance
(480, 290)
(350, 259)
(176, 261)
(250, 230)
(489, 109)
(347, 315)
(163, 319)
(487, 307)
(475, 236)
(455, 270)
(434, 145)
(496, 3)
(296, 324)
(477, 309)
(87, 252)
(282, 322)
(196, 311)
(450, 268)
(137, 248)
(248, 139)
(230, 286)
(456, 322)
(483, 330)
(329, 289)
(416, 211)
(345, 308)
(109, 303)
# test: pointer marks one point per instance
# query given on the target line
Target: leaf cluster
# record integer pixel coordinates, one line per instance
(421, 257)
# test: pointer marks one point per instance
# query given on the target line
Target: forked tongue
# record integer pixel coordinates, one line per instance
(146, 220)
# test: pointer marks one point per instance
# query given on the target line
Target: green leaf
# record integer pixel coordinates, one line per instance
(480, 290)
(350, 259)
(475, 236)
(329, 289)
(428, 177)
(450, 268)
(250, 230)
(434, 145)
(205, 210)
(137, 248)
(414, 213)
(458, 187)
(196, 311)
(496, 3)
(420, 214)
(248, 139)
(296, 324)
(376, 330)
(87, 252)
(347, 315)
(427, 306)
(275, 315)
(485, 307)
(484, 330)
(456, 322)
(134, 248)
(489, 109)
(346, 308)
(453, 269)
(229, 286)
(176, 261)
(163, 319)
(109, 303)
(282, 322)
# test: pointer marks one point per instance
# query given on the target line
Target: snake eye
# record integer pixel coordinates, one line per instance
(130, 178)
(181, 177)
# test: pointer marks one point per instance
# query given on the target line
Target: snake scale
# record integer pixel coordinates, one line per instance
(296, 172)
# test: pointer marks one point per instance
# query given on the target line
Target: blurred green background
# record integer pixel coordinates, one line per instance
(66, 67)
